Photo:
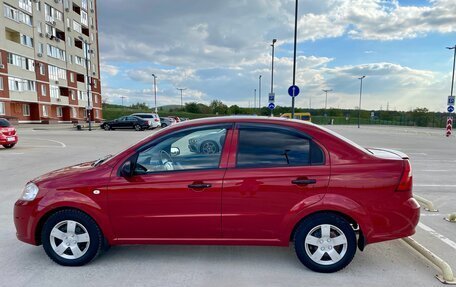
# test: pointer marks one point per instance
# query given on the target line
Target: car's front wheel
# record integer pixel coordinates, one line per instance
(325, 242)
(9, 145)
(71, 238)
(137, 127)
(107, 127)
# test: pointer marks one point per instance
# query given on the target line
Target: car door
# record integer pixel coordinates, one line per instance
(173, 194)
(275, 173)
(120, 122)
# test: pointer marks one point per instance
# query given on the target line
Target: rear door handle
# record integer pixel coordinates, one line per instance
(304, 181)
(199, 185)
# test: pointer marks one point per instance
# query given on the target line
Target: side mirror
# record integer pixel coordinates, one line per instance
(175, 151)
(126, 170)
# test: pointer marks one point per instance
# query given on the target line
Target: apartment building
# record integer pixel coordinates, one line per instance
(43, 70)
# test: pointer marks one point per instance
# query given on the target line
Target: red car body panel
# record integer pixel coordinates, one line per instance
(258, 206)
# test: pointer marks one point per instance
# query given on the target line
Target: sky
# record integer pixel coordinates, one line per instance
(217, 50)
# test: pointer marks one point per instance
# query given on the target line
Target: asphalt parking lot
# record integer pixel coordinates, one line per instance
(391, 263)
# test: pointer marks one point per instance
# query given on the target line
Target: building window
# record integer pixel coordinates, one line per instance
(84, 18)
(72, 77)
(54, 91)
(26, 5)
(45, 111)
(73, 95)
(59, 112)
(27, 41)
(77, 27)
(43, 90)
(42, 69)
(16, 15)
(95, 84)
(55, 52)
(1, 83)
(74, 112)
(20, 85)
(97, 114)
(41, 48)
(38, 5)
(52, 14)
(56, 73)
(2, 108)
(21, 62)
(26, 110)
(95, 99)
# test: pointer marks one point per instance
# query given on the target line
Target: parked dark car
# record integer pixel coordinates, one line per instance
(8, 134)
(127, 122)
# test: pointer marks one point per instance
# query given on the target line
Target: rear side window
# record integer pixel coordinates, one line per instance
(272, 147)
(4, 123)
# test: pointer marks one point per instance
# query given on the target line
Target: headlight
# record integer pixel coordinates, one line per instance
(30, 192)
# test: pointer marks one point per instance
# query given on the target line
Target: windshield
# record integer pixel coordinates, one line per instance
(4, 123)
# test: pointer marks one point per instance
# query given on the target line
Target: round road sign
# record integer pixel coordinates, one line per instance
(293, 91)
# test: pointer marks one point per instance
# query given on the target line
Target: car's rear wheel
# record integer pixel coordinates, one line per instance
(325, 242)
(137, 127)
(9, 145)
(209, 147)
(71, 238)
(164, 125)
(107, 127)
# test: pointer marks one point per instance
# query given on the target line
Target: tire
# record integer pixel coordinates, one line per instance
(164, 125)
(317, 241)
(70, 248)
(107, 127)
(209, 147)
(9, 145)
(137, 128)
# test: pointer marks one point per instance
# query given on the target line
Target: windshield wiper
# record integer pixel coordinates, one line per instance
(101, 160)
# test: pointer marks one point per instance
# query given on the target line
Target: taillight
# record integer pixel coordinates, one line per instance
(157, 120)
(406, 182)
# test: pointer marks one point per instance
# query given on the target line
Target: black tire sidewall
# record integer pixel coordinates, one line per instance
(9, 145)
(324, 218)
(136, 127)
(96, 238)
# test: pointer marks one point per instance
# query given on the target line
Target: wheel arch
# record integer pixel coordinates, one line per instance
(40, 224)
(355, 224)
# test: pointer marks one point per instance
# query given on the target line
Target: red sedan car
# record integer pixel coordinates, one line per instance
(274, 181)
(8, 134)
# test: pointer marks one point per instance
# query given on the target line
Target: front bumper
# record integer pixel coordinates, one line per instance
(25, 221)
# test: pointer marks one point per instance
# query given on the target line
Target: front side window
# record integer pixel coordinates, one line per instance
(266, 146)
(193, 149)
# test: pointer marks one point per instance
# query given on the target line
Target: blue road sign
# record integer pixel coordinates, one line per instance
(451, 101)
(293, 91)
(450, 109)
(271, 106)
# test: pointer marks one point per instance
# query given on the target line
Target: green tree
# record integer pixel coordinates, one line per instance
(192, 108)
(218, 107)
(234, 110)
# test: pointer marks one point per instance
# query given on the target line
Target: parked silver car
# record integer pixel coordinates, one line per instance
(165, 121)
(207, 144)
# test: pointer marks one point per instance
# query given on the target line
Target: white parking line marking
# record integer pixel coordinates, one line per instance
(432, 214)
(446, 240)
(62, 145)
(434, 185)
(435, 170)
(13, 153)
(417, 153)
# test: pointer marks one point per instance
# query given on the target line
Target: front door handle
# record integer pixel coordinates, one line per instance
(304, 181)
(199, 185)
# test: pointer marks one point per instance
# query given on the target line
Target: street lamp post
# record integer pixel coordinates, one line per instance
(360, 94)
(326, 99)
(180, 89)
(294, 58)
(254, 99)
(259, 92)
(89, 108)
(272, 68)
(155, 91)
(454, 62)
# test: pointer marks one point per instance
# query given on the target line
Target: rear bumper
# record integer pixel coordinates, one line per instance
(5, 140)
(396, 222)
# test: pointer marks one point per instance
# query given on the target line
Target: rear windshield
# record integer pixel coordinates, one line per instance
(145, 116)
(345, 140)
(4, 123)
